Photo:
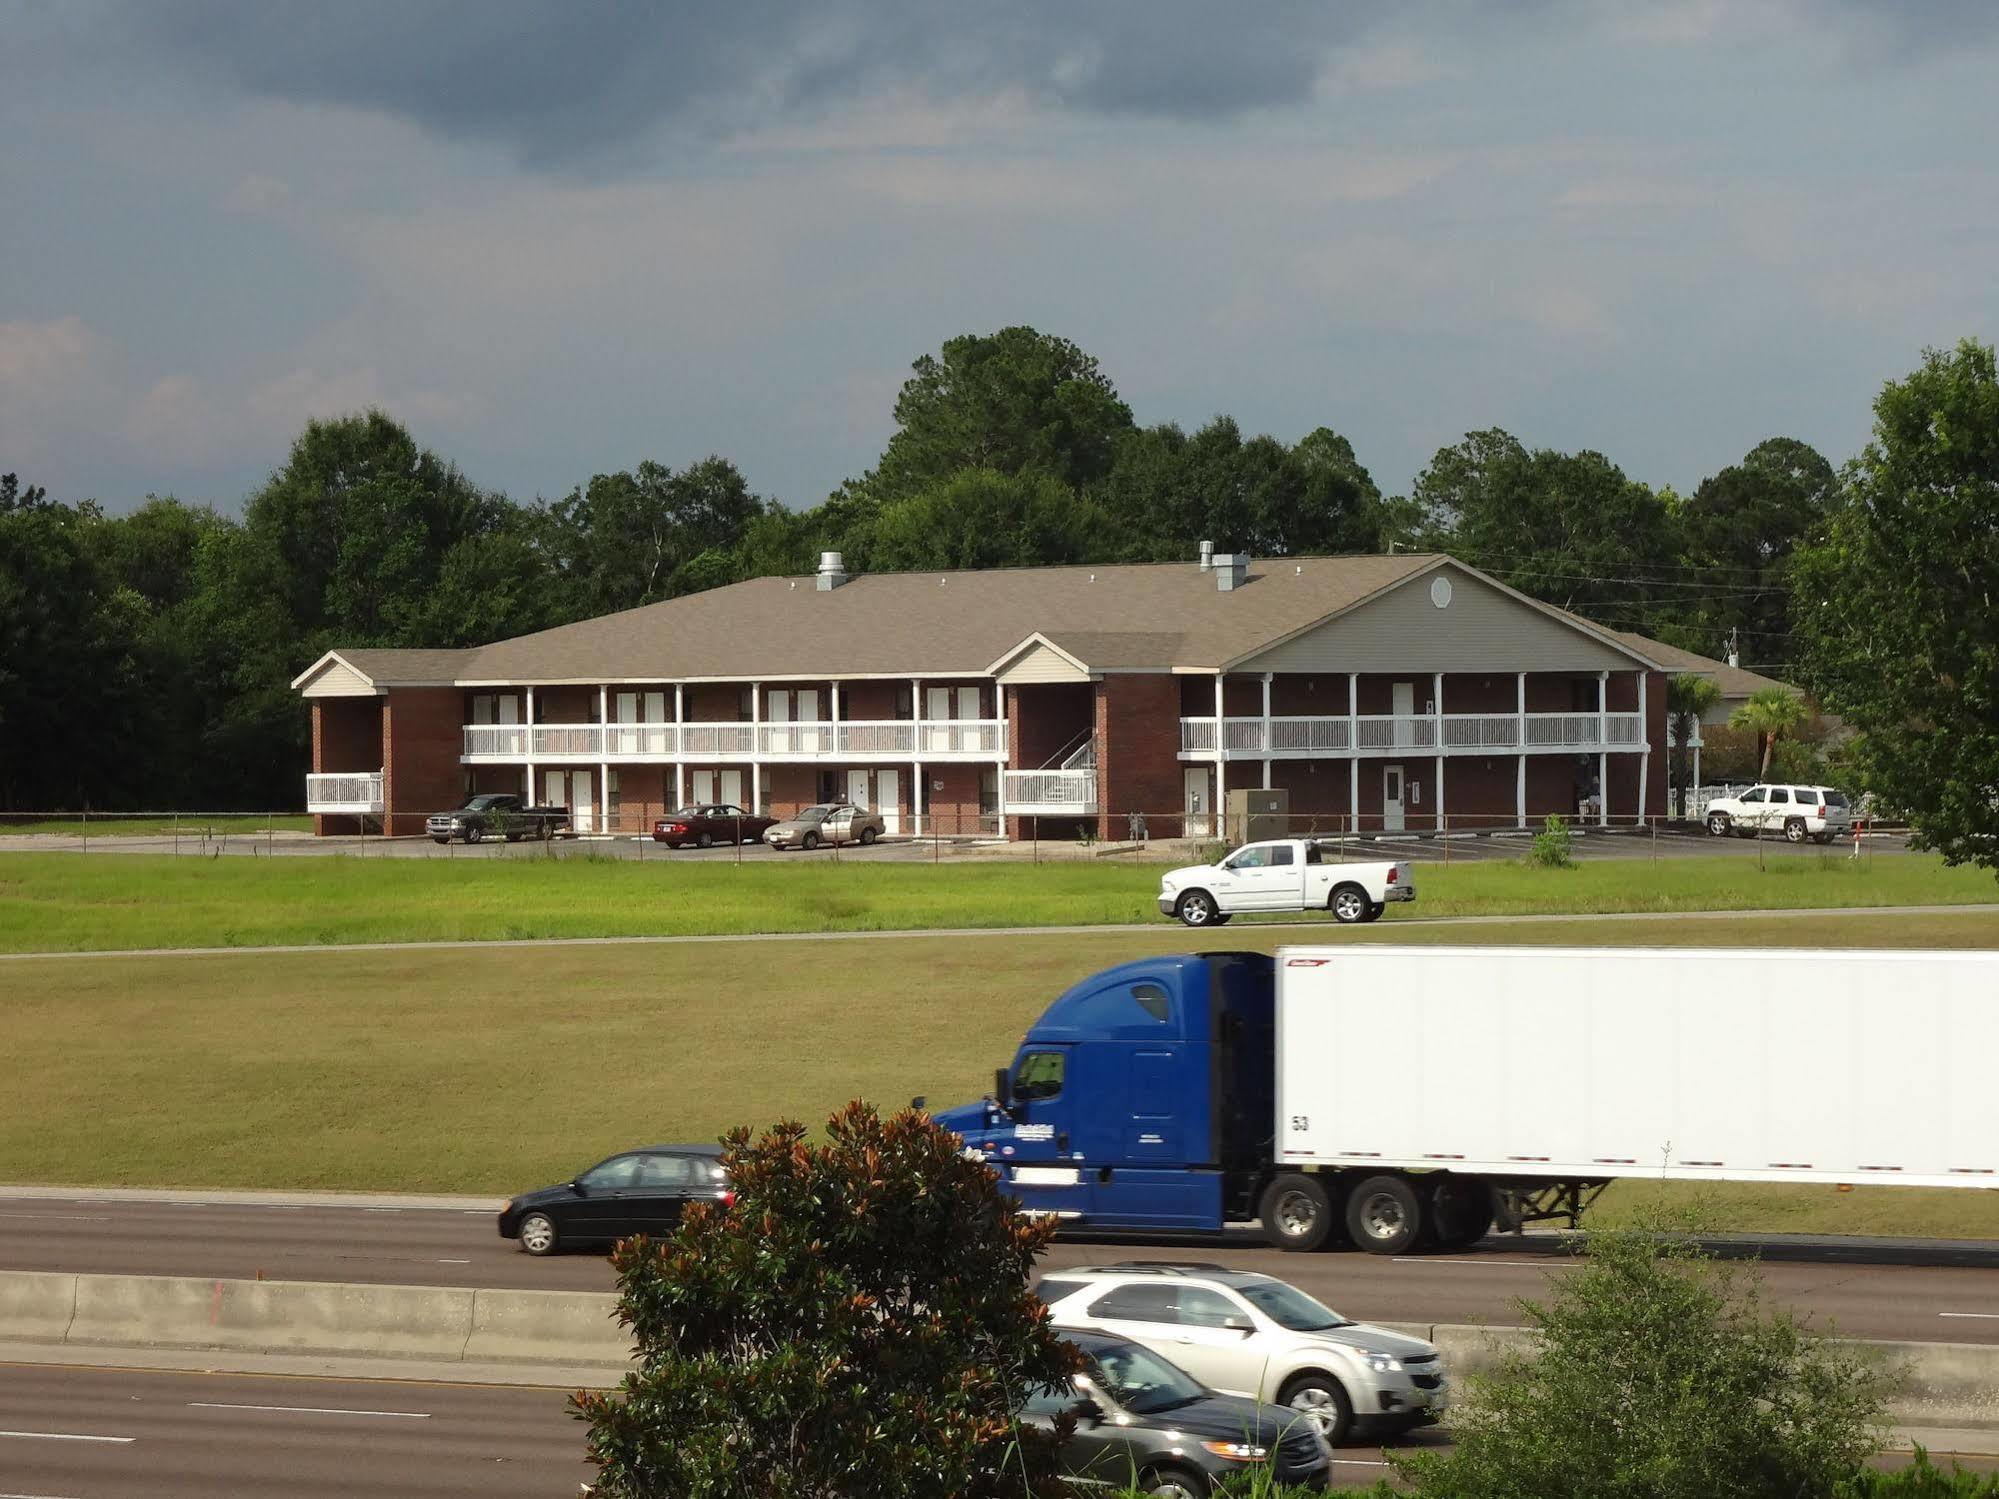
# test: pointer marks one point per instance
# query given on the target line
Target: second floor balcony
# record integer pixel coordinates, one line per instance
(1335, 735)
(859, 739)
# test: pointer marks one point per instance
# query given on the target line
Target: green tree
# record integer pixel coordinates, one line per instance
(1568, 528)
(1896, 606)
(858, 1323)
(982, 518)
(624, 539)
(1015, 401)
(1657, 1373)
(1767, 714)
(1689, 698)
(1739, 531)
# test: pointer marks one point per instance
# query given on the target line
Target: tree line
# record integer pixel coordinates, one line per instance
(144, 658)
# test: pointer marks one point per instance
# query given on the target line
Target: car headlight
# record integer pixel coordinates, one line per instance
(1238, 1452)
(1379, 1362)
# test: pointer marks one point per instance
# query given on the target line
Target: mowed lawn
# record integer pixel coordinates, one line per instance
(491, 1070)
(154, 825)
(64, 902)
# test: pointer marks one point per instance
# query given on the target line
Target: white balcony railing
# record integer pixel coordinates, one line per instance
(1045, 793)
(344, 792)
(867, 739)
(1388, 733)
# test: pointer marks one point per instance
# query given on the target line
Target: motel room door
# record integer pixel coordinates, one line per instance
(1391, 799)
(576, 790)
(1196, 805)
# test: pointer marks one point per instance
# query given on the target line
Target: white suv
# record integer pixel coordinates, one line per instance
(1254, 1336)
(1798, 812)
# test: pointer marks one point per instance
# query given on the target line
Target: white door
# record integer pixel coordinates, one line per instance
(655, 714)
(1404, 708)
(510, 708)
(857, 787)
(1391, 798)
(808, 712)
(582, 802)
(482, 709)
(620, 738)
(777, 740)
(557, 784)
(732, 791)
(1196, 804)
(968, 712)
(703, 787)
(937, 708)
(888, 798)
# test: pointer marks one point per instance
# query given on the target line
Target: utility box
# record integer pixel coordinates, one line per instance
(1256, 815)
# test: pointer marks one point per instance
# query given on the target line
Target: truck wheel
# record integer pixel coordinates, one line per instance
(1197, 908)
(1348, 903)
(1385, 1216)
(1717, 824)
(473, 835)
(1297, 1213)
(1460, 1211)
(1320, 1399)
(1794, 830)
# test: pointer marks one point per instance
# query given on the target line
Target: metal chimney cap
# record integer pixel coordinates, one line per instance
(1207, 555)
(831, 562)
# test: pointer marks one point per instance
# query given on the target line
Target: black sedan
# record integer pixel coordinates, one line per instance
(634, 1192)
(1143, 1421)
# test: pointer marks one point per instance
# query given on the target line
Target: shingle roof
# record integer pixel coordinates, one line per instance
(387, 667)
(946, 623)
(1734, 681)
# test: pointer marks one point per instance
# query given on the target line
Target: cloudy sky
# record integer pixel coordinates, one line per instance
(556, 239)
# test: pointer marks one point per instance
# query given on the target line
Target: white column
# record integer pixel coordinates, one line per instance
(1520, 712)
(1602, 755)
(1440, 792)
(529, 732)
(833, 701)
(916, 797)
(603, 762)
(1353, 752)
(1004, 758)
(679, 746)
(1220, 823)
(1353, 795)
(1437, 697)
(756, 749)
(679, 784)
(1645, 760)
(1697, 773)
(604, 796)
(1266, 730)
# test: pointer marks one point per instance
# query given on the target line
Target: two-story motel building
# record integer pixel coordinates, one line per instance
(1383, 693)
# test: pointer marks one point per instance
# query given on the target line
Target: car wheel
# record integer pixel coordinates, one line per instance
(1322, 1400)
(473, 835)
(1717, 824)
(537, 1234)
(809, 841)
(1297, 1213)
(1385, 1216)
(1348, 903)
(1794, 830)
(867, 836)
(704, 841)
(1176, 1483)
(1196, 908)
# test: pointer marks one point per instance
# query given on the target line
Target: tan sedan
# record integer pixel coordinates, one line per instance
(829, 822)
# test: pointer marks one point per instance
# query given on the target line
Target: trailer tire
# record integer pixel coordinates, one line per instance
(1348, 903)
(1385, 1215)
(1461, 1212)
(1297, 1213)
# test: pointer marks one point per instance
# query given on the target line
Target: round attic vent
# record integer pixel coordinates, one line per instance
(1440, 592)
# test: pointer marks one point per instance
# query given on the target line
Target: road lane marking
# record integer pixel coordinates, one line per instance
(1360, 1462)
(454, 1262)
(307, 1410)
(35, 1496)
(1986, 1316)
(1419, 1259)
(69, 1217)
(381, 1210)
(63, 1436)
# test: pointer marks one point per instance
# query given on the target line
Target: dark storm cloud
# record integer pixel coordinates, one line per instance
(559, 82)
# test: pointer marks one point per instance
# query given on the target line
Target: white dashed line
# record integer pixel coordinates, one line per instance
(306, 1410)
(64, 1436)
(1983, 1316)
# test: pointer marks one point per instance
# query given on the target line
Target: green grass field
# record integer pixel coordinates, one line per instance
(65, 902)
(189, 825)
(486, 1070)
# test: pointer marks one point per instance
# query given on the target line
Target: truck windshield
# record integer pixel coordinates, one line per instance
(482, 803)
(1290, 1307)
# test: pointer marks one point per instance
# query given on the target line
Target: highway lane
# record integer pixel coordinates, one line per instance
(1921, 1291)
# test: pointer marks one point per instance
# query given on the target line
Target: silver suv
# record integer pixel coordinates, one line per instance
(1255, 1336)
(1819, 813)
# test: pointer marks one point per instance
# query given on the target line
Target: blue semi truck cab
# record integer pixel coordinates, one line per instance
(1145, 1099)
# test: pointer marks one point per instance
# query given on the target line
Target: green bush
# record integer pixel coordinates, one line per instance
(1554, 845)
(1921, 1479)
(1659, 1375)
(857, 1323)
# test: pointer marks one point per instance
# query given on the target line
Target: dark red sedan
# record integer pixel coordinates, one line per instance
(706, 825)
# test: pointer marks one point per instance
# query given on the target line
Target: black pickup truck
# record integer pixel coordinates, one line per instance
(497, 814)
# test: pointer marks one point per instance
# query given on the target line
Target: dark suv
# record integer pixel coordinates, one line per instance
(1142, 1421)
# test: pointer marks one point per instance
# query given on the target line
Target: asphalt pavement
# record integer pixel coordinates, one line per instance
(1922, 1291)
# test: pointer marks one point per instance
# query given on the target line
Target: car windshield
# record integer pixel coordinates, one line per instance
(1142, 1382)
(1290, 1307)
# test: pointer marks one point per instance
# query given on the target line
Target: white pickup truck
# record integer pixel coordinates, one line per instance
(1285, 874)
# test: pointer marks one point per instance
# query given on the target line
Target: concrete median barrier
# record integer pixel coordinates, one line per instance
(1943, 1384)
(547, 1327)
(145, 1311)
(36, 1307)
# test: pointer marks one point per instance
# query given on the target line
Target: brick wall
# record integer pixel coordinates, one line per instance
(1309, 695)
(788, 789)
(1138, 753)
(951, 799)
(561, 705)
(1479, 791)
(1465, 692)
(1045, 718)
(869, 701)
(421, 741)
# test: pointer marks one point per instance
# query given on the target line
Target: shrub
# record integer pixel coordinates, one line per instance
(857, 1323)
(1659, 1375)
(1919, 1480)
(1554, 845)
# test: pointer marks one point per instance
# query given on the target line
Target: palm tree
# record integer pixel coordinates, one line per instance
(1689, 696)
(1769, 712)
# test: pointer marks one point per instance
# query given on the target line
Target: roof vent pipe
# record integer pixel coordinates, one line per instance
(1229, 569)
(1207, 555)
(832, 571)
